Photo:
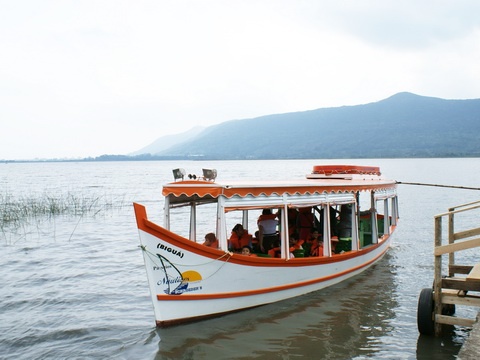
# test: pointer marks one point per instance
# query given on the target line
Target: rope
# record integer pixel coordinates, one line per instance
(439, 185)
(229, 254)
(153, 256)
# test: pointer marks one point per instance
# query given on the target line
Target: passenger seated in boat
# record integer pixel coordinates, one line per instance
(211, 240)
(307, 245)
(305, 220)
(294, 243)
(316, 248)
(247, 251)
(267, 226)
(239, 238)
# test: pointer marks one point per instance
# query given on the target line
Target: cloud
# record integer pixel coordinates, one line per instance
(405, 24)
(84, 78)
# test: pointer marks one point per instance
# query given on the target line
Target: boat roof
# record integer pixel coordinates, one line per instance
(323, 180)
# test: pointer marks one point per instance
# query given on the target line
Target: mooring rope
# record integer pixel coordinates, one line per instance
(229, 254)
(439, 185)
(153, 256)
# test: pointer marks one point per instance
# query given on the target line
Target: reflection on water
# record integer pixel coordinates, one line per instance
(340, 322)
(445, 347)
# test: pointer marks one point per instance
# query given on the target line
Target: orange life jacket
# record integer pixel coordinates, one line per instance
(238, 244)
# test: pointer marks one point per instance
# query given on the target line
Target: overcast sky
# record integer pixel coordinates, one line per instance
(90, 77)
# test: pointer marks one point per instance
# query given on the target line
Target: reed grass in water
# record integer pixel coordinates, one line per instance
(14, 211)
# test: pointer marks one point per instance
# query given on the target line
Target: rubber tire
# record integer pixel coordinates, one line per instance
(425, 322)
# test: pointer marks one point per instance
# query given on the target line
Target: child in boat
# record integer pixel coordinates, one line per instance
(314, 235)
(294, 244)
(239, 238)
(317, 246)
(211, 240)
(247, 251)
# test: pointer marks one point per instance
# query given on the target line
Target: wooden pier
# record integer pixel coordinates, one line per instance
(461, 286)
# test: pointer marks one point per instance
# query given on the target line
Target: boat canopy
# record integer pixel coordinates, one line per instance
(326, 187)
(200, 191)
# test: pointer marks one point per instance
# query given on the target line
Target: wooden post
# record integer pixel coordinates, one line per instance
(451, 231)
(437, 284)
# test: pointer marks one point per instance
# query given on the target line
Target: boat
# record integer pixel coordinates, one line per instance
(354, 208)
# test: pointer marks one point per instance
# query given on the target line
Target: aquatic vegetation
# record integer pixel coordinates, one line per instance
(14, 211)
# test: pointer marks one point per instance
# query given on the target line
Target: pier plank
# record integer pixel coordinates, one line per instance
(450, 320)
(452, 297)
(460, 284)
(460, 269)
(474, 274)
(457, 246)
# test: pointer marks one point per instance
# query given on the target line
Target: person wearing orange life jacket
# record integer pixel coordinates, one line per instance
(307, 245)
(211, 240)
(267, 226)
(239, 238)
(294, 243)
(274, 252)
(304, 222)
(316, 249)
(317, 246)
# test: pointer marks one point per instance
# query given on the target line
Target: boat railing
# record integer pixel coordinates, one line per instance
(462, 284)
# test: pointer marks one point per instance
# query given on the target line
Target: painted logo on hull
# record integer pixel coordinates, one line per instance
(189, 279)
(175, 282)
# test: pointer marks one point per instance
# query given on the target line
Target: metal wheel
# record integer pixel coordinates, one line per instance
(425, 321)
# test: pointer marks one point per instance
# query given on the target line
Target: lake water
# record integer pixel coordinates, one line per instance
(74, 286)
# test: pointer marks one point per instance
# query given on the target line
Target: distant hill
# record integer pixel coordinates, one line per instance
(168, 141)
(403, 125)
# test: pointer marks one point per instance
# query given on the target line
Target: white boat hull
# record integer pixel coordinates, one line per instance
(204, 285)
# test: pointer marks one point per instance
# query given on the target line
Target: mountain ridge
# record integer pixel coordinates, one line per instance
(167, 141)
(402, 125)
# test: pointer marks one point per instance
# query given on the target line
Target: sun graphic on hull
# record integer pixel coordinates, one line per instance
(191, 276)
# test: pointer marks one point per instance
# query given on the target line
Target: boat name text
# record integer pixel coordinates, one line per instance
(170, 250)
